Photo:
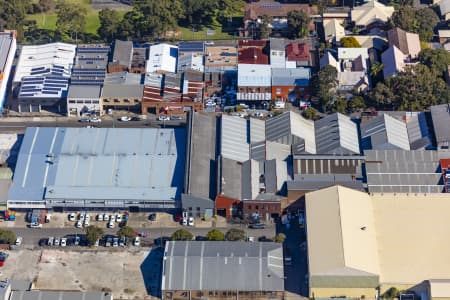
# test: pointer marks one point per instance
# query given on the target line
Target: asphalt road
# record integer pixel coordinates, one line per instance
(19, 126)
(31, 237)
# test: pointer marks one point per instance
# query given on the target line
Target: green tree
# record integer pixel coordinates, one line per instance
(356, 104)
(376, 68)
(109, 24)
(235, 234)
(126, 231)
(421, 21)
(7, 236)
(46, 5)
(265, 28)
(279, 238)
(298, 22)
(93, 233)
(181, 235)
(349, 42)
(310, 113)
(70, 18)
(437, 60)
(391, 293)
(230, 8)
(215, 235)
(13, 15)
(200, 12)
(339, 105)
(324, 84)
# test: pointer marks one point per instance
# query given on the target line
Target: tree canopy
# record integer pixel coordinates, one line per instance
(324, 84)
(109, 24)
(421, 21)
(7, 236)
(349, 42)
(215, 235)
(93, 233)
(437, 60)
(13, 14)
(126, 231)
(235, 234)
(182, 235)
(298, 22)
(70, 18)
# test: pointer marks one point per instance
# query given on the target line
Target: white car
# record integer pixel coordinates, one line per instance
(63, 242)
(163, 118)
(112, 218)
(99, 217)
(105, 217)
(56, 242)
(87, 217)
(72, 217)
(118, 218)
(137, 241)
(95, 120)
(35, 225)
(79, 224)
(111, 224)
(86, 223)
(191, 221)
(125, 118)
(184, 222)
(81, 217)
(19, 241)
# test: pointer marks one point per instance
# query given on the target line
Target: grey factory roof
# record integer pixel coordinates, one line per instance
(139, 58)
(123, 78)
(123, 53)
(84, 92)
(223, 266)
(90, 64)
(190, 47)
(291, 128)
(6, 41)
(257, 130)
(277, 44)
(123, 84)
(336, 134)
(203, 154)
(59, 295)
(441, 120)
(290, 76)
(100, 163)
(384, 132)
(232, 177)
(312, 182)
(235, 143)
(401, 171)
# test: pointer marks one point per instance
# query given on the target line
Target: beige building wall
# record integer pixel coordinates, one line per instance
(368, 293)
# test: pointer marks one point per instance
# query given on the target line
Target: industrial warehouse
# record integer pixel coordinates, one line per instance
(99, 168)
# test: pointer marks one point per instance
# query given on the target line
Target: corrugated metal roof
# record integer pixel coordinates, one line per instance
(235, 138)
(441, 120)
(100, 163)
(59, 295)
(123, 52)
(257, 130)
(84, 91)
(223, 266)
(291, 77)
(384, 132)
(401, 171)
(336, 134)
(231, 180)
(254, 75)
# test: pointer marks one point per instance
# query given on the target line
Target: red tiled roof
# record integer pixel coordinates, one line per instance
(298, 52)
(252, 56)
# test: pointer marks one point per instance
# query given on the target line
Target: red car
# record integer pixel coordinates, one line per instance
(178, 218)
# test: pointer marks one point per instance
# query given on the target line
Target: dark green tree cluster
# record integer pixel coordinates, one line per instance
(298, 22)
(349, 42)
(71, 18)
(13, 14)
(417, 20)
(324, 85)
(7, 236)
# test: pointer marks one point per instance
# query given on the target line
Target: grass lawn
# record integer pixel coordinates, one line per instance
(187, 34)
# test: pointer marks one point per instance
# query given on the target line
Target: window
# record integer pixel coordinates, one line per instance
(256, 207)
(87, 101)
(80, 101)
(95, 101)
(71, 101)
(249, 207)
(198, 208)
(190, 208)
(278, 91)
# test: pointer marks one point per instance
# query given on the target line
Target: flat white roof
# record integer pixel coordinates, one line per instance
(254, 75)
(163, 57)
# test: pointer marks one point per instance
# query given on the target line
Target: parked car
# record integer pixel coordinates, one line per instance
(86, 223)
(111, 224)
(137, 241)
(122, 241)
(48, 218)
(63, 242)
(163, 118)
(35, 225)
(87, 217)
(97, 243)
(184, 222)
(125, 118)
(105, 217)
(81, 217)
(43, 242)
(191, 221)
(109, 241)
(135, 119)
(118, 218)
(77, 240)
(79, 224)
(99, 217)
(112, 218)
(83, 120)
(257, 226)
(201, 238)
(115, 242)
(264, 239)
(19, 241)
(72, 217)
(175, 117)
(152, 217)
(56, 242)
(50, 241)
(178, 218)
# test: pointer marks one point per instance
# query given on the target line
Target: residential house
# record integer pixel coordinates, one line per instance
(122, 91)
(8, 46)
(356, 243)
(277, 53)
(253, 12)
(162, 58)
(290, 84)
(333, 30)
(42, 77)
(352, 68)
(403, 171)
(371, 14)
(122, 57)
(194, 270)
(444, 7)
(83, 99)
(253, 52)
(254, 83)
(444, 36)
(440, 115)
(190, 56)
(298, 55)
(394, 61)
(407, 42)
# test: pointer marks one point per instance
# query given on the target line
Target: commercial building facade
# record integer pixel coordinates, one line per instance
(8, 46)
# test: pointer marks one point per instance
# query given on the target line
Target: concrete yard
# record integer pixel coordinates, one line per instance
(127, 274)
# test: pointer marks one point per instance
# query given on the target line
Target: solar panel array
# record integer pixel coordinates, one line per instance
(90, 65)
(50, 84)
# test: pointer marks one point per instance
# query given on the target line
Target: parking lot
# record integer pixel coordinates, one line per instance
(132, 274)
